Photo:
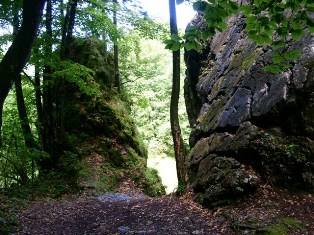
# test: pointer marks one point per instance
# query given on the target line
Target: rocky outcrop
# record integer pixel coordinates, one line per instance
(98, 124)
(249, 126)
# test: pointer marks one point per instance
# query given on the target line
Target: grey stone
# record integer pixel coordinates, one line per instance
(114, 197)
(248, 126)
(123, 229)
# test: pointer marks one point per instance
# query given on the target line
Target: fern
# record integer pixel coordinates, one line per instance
(79, 75)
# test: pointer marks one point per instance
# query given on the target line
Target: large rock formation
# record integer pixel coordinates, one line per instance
(249, 126)
(98, 125)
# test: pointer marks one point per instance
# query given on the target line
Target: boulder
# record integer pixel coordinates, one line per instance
(248, 126)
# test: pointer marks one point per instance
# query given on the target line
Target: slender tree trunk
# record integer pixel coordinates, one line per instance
(48, 136)
(18, 54)
(67, 38)
(179, 148)
(26, 129)
(67, 29)
(39, 106)
(116, 49)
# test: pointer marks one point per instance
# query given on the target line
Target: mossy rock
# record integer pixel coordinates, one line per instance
(285, 227)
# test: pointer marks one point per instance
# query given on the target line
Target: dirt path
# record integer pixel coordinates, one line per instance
(274, 211)
(115, 214)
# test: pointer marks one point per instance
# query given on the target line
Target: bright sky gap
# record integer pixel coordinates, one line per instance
(159, 9)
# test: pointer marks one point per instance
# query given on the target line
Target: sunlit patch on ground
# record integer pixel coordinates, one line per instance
(166, 167)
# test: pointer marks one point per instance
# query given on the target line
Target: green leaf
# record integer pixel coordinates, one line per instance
(251, 20)
(199, 6)
(175, 37)
(198, 47)
(272, 23)
(311, 29)
(192, 28)
(219, 13)
(234, 7)
(168, 46)
(247, 10)
(296, 25)
(277, 58)
(205, 34)
(268, 30)
(278, 44)
(176, 46)
(257, 3)
(294, 54)
(310, 3)
(309, 22)
(222, 26)
(273, 69)
(188, 46)
(263, 21)
(282, 32)
(296, 34)
(168, 42)
(310, 9)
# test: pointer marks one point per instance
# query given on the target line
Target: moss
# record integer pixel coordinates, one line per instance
(284, 225)
(276, 230)
(250, 59)
(90, 52)
(153, 185)
(293, 223)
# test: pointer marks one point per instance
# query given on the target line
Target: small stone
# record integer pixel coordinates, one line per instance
(123, 229)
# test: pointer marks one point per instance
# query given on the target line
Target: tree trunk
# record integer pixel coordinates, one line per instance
(67, 33)
(179, 148)
(48, 134)
(116, 48)
(39, 105)
(18, 54)
(26, 129)
(67, 28)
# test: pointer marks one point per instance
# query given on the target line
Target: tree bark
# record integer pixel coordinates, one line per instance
(48, 135)
(179, 149)
(67, 29)
(116, 49)
(67, 33)
(39, 105)
(26, 129)
(18, 54)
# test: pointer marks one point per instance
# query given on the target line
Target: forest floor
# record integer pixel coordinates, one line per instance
(267, 211)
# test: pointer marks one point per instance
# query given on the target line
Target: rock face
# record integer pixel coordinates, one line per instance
(249, 126)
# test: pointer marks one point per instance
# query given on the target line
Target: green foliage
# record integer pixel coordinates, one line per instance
(284, 225)
(79, 75)
(17, 162)
(181, 188)
(282, 61)
(150, 93)
(267, 23)
(295, 151)
(153, 186)
(95, 21)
